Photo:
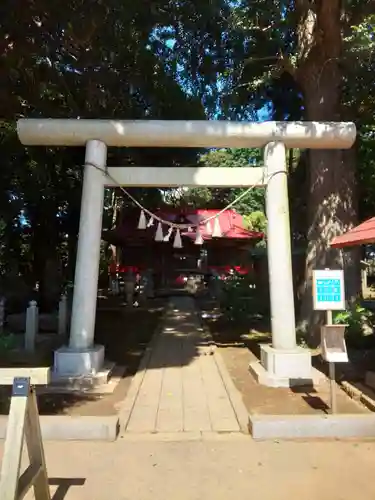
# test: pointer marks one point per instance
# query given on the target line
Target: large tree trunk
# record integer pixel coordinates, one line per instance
(332, 201)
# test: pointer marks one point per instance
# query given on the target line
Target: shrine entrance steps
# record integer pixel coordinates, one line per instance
(182, 385)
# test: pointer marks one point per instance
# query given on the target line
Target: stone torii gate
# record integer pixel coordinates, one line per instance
(283, 362)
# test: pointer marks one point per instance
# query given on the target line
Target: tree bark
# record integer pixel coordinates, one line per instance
(332, 207)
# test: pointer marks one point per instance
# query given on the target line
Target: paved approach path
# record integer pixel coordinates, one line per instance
(202, 465)
(226, 467)
(181, 384)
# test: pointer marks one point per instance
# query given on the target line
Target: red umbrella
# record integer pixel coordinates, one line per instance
(359, 235)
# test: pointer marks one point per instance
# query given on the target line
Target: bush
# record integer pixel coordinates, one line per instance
(8, 341)
(239, 299)
(360, 321)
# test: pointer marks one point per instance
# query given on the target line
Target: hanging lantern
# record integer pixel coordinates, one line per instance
(177, 243)
(198, 238)
(142, 224)
(216, 233)
(159, 233)
(168, 235)
(208, 227)
(150, 222)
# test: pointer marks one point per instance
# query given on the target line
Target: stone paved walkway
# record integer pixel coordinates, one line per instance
(181, 385)
(227, 466)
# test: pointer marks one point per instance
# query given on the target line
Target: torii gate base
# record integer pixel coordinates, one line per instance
(282, 363)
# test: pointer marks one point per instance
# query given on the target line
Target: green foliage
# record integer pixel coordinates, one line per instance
(8, 342)
(360, 324)
(240, 301)
(219, 198)
(106, 59)
(256, 221)
(366, 172)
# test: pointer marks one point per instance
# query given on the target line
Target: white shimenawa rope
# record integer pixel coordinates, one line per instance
(166, 222)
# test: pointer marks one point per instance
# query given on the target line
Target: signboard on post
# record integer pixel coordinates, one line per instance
(329, 295)
(328, 290)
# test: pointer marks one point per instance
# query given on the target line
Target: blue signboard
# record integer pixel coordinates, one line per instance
(329, 290)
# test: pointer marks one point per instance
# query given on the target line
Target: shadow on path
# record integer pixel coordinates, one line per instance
(63, 485)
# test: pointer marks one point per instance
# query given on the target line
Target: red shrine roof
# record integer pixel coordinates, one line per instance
(231, 224)
(363, 234)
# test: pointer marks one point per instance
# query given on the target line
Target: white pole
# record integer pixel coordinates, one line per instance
(32, 323)
(88, 252)
(63, 315)
(279, 248)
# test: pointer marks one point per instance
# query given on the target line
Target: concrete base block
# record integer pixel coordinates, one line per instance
(312, 426)
(68, 428)
(78, 362)
(268, 379)
(103, 382)
(294, 363)
(283, 368)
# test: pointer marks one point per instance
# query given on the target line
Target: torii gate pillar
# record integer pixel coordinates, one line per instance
(282, 363)
(82, 356)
